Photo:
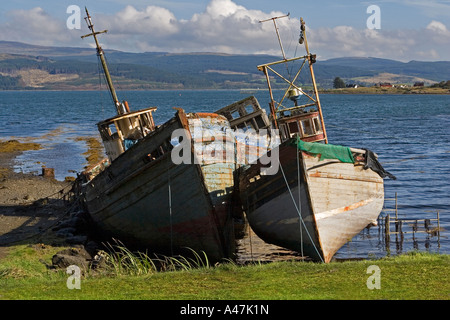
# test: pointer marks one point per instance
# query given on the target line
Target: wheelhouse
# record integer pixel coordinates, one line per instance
(305, 125)
(121, 132)
(246, 114)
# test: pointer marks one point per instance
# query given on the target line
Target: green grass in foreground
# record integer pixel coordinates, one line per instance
(423, 276)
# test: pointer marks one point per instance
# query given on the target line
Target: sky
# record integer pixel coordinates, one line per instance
(402, 30)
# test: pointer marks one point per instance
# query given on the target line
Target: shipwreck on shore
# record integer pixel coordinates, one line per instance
(322, 195)
(172, 192)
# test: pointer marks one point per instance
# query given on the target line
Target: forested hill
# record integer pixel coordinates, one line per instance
(24, 66)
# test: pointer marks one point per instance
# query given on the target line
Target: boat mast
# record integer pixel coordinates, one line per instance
(311, 60)
(272, 105)
(101, 54)
(276, 29)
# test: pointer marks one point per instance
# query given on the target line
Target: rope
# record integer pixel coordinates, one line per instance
(100, 84)
(299, 202)
(298, 211)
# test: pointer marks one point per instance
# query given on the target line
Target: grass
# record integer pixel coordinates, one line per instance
(423, 276)
(121, 261)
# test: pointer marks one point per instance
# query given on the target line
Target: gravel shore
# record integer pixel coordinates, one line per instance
(29, 204)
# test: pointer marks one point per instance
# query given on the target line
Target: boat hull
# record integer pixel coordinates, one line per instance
(165, 207)
(335, 201)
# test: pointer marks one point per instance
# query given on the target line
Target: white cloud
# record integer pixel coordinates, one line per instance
(437, 26)
(34, 26)
(430, 43)
(437, 35)
(225, 26)
(152, 20)
(223, 8)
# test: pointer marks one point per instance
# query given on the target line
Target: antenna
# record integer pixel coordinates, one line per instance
(276, 29)
(293, 90)
(101, 54)
(311, 61)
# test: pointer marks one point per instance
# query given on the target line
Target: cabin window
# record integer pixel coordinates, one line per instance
(260, 122)
(308, 129)
(249, 109)
(293, 127)
(235, 114)
(317, 125)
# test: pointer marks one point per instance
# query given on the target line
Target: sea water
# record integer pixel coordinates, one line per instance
(410, 134)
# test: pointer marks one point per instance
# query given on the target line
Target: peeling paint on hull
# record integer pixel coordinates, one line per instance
(335, 200)
(164, 207)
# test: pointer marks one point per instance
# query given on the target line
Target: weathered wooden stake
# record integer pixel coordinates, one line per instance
(387, 232)
(48, 173)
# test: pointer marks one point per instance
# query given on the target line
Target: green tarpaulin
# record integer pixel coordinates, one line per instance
(326, 151)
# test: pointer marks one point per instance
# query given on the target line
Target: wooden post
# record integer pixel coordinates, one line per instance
(426, 224)
(48, 173)
(387, 231)
(438, 230)
(396, 207)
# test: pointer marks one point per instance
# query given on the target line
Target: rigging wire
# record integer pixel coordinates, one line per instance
(117, 83)
(299, 201)
(100, 73)
(299, 214)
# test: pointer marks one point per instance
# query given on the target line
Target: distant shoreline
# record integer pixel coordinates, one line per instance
(386, 90)
(360, 90)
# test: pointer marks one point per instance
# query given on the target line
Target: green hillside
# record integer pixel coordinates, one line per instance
(24, 66)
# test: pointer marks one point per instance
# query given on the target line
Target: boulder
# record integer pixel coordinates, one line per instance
(73, 256)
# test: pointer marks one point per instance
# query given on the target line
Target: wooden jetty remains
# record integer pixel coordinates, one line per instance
(391, 226)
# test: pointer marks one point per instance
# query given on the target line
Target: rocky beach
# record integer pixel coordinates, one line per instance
(36, 210)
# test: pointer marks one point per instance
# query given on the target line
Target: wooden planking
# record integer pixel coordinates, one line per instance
(337, 201)
(339, 184)
(337, 230)
(271, 210)
(160, 205)
(345, 198)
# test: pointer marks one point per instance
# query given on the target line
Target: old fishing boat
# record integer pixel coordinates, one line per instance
(166, 192)
(322, 195)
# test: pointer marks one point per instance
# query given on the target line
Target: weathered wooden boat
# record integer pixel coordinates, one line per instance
(322, 195)
(145, 197)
